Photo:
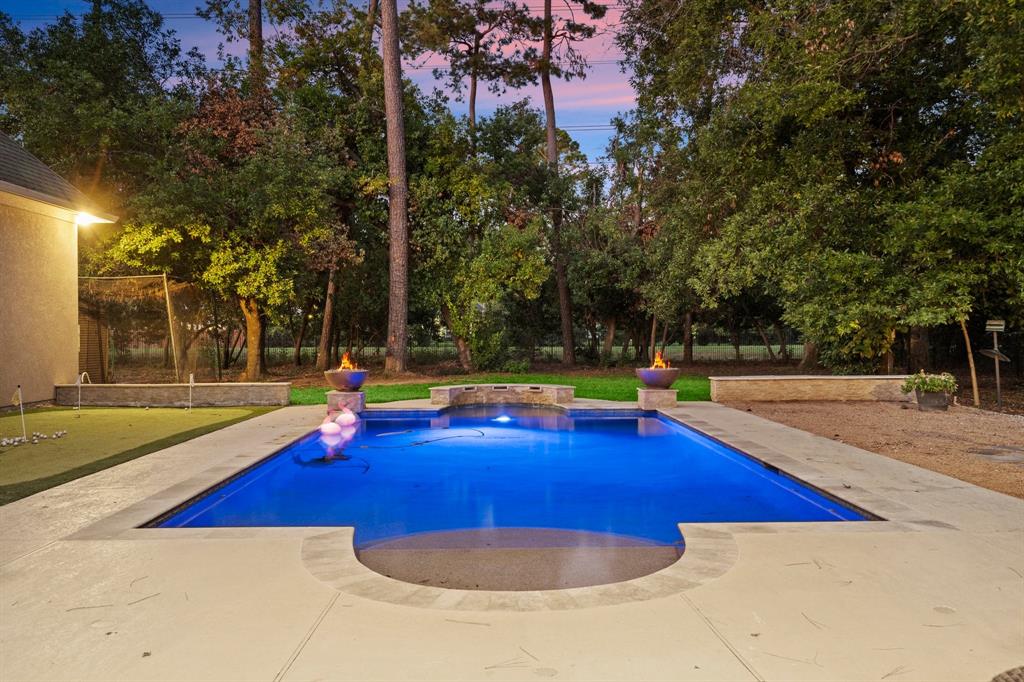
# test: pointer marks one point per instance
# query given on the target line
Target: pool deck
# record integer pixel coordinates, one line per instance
(934, 592)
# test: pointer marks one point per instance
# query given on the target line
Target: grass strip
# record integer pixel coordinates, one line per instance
(595, 387)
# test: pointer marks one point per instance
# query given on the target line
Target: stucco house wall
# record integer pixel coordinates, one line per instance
(38, 297)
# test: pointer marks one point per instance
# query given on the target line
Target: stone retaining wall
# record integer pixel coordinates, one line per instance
(174, 395)
(502, 394)
(810, 387)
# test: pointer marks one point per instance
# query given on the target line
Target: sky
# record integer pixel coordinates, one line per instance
(589, 103)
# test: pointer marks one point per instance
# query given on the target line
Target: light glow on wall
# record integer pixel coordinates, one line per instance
(84, 218)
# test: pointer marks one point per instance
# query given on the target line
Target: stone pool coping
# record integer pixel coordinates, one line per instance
(711, 549)
(937, 595)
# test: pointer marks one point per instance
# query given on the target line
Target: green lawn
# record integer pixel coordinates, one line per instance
(600, 387)
(97, 439)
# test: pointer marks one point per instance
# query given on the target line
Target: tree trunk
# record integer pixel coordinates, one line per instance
(398, 193)
(664, 337)
(264, 325)
(327, 325)
(917, 352)
(257, 67)
(551, 138)
(783, 344)
(765, 341)
(465, 359)
(609, 339)
(734, 336)
(564, 301)
(216, 335)
(654, 336)
(810, 359)
(229, 344)
(300, 337)
(253, 339)
(371, 21)
(970, 361)
(639, 347)
(473, 79)
(688, 337)
(551, 148)
(472, 109)
(890, 357)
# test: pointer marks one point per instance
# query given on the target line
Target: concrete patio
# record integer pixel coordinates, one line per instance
(933, 592)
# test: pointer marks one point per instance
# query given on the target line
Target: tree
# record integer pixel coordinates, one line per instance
(96, 97)
(479, 41)
(478, 249)
(242, 205)
(560, 59)
(398, 194)
(817, 153)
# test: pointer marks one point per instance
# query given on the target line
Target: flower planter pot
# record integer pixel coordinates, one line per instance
(346, 379)
(658, 377)
(932, 402)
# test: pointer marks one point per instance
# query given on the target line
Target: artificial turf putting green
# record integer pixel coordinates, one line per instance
(587, 386)
(97, 439)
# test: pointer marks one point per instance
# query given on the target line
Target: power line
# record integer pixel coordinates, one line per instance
(420, 67)
(615, 6)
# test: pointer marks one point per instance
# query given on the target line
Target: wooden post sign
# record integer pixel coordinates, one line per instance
(996, 326)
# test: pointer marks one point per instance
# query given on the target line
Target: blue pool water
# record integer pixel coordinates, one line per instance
(631, 474)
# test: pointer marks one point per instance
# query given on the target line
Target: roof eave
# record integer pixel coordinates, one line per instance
(60, 202)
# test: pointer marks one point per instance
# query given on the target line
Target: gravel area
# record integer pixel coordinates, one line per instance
(980, 447)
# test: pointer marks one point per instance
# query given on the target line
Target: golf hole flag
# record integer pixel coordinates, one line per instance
(16, 400)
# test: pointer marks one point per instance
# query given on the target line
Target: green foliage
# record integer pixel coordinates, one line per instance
(851, 168)
(489, 346)
(479, 243)
(480, 42)
(516, 366)
(857, 161)
(247, 228)
(930, 383)
(89, 94)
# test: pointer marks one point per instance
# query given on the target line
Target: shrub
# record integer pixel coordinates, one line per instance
(930, 383)
(489, 349)
(516, 366)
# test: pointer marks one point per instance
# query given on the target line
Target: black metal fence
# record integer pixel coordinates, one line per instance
(130, 353)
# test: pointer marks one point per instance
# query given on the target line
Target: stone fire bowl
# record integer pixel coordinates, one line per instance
(346, 379)
(658, 378)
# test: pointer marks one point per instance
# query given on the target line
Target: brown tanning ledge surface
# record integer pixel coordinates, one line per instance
(516, 558)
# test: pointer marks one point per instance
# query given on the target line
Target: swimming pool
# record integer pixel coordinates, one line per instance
(629, 474)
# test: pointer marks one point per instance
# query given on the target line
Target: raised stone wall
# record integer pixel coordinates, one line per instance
(174, 395)
(502, 394)
(810, 387)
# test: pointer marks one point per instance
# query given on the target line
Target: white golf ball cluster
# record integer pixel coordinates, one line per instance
(33, 439)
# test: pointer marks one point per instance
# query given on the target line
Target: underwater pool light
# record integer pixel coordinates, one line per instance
(503, 419)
